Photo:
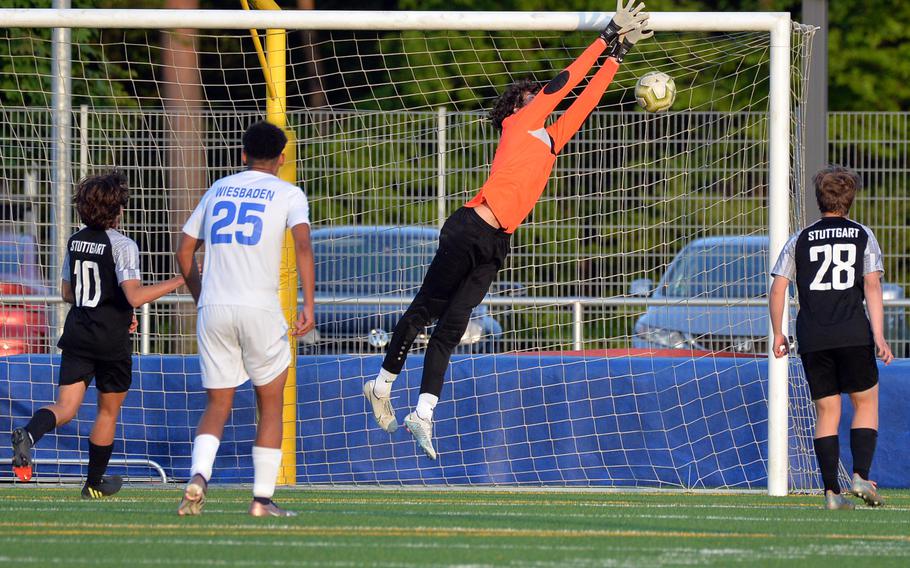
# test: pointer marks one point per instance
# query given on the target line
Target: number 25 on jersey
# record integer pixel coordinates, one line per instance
(246, 217)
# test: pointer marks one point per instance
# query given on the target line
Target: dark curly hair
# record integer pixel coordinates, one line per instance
(263, 141)
(100, 198)
(835, 189)
(510, 99)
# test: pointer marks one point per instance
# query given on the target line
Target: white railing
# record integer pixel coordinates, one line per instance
(577, 305)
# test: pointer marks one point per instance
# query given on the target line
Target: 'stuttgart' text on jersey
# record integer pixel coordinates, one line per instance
(97, 262)
(828, 261)
(242, 219)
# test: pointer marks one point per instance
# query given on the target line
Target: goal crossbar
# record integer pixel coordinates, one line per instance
(381, 20)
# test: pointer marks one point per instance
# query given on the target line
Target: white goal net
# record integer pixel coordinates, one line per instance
(624, 344)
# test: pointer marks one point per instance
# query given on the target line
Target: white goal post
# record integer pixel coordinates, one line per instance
(776, 25)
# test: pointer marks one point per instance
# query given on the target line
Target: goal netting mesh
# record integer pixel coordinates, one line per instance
(597, 358)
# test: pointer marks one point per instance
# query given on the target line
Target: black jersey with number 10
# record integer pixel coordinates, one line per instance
(96, 263)
(828, 261)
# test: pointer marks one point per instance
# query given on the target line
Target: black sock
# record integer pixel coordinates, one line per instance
(827, 452)
(263, 500)
(42, 422)
(862, 444)
(98, 456)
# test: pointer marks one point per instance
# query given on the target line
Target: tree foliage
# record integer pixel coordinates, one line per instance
(26, 60)
(868, 52)
(868, 44)
(869, 55)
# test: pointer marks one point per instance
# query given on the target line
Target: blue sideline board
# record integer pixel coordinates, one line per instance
(505, 419)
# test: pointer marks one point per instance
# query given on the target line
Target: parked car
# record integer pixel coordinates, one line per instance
(732, 268)
(357, 265)
(23, 327)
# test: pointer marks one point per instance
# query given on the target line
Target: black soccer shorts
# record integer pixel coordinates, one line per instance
(841, 370)
(110, 376)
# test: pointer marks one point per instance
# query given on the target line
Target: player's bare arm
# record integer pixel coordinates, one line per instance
(303, 249)
(66, 292)
(872, 289)
(137, 294)
(186, 261)
(776, 301)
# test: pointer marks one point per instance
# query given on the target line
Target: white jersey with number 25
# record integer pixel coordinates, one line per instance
(242, 219)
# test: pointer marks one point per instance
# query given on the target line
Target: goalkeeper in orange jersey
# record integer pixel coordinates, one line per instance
(474, 241)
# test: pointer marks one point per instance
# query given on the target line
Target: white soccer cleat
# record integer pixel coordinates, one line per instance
(382, 408)
(193, 497)
(258, 509)
(867, 491)
(836, 501)
(422, 430)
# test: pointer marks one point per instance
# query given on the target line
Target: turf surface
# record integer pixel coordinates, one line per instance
(51, 526)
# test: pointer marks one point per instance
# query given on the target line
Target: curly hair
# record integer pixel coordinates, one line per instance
(99, 199)
(510, 99)
(263, 141)
(835, 189)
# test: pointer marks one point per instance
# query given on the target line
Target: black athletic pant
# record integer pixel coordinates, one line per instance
(470, 254)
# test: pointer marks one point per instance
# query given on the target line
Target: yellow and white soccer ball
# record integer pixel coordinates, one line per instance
(655, 91)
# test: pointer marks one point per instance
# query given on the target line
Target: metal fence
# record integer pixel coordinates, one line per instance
(631, 190)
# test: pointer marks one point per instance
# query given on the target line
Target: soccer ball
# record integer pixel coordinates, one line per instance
(655, 91)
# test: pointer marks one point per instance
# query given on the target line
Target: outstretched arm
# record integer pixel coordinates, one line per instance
(568, 124)
(137, 294)
(537, 111)
(620, 41)
(628, 20)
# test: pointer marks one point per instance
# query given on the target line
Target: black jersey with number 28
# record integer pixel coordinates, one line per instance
(828, 261)
(97, 325)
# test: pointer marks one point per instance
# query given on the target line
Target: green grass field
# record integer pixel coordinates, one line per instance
(52, 526)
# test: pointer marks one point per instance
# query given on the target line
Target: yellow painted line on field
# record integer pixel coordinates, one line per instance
(133, 529)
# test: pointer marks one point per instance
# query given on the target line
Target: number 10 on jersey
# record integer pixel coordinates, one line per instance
(87, 292)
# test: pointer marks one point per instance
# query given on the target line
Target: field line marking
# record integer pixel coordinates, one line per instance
(49, 528)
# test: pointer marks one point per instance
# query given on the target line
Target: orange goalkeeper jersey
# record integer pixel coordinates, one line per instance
(527, 150)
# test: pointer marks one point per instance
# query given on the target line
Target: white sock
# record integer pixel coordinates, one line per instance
(205, 447)
(383, 385)
(266, 462)
(426, 402)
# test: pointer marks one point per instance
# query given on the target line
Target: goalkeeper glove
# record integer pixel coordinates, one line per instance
(621, 47)
(623, 20)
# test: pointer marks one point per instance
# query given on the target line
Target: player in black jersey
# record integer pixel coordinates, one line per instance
(102, 281)
(837, 264)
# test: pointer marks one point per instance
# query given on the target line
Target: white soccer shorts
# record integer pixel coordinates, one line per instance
(240, 342)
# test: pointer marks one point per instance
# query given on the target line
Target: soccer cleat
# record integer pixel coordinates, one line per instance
(22, 454)
(867, 491)
(258, 509)
(422, 430)
(382, 408)
(193, 496)
(109, 485)
(835, 501)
